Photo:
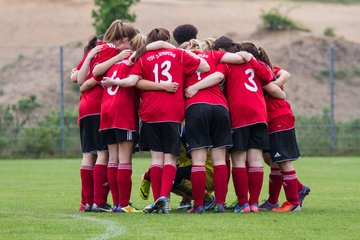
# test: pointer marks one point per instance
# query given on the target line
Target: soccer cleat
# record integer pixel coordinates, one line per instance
(287, 207)
(254, 208)
(232, 205)
(242, 209)
(103, 208)
(115, 208)
(149, 209)
(303, 193)
(184, 205)
(268, 206)
(87, 208)
(219, 208)
(128, 209)
(156, 206)
(168, 205)
(144, 189)
(210, 205)
(82, 208)
(199, 209)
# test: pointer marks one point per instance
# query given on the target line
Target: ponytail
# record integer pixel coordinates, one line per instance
(263, 56)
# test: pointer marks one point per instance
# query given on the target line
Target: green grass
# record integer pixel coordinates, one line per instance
(39, 200)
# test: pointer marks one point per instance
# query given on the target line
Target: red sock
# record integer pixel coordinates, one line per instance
(147, 175)
(291, 187)
(220, 183)
(101, 184)
(112, 178)
(275, 184)
(124, 183)
(168, 177)
(240, 179)
(156, 175)
(256, 177)
(198, 183)
(228, 166)
(83, 201)
(87, 183)
(299, 185)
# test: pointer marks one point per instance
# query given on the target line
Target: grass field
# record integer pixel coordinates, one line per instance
(39, 200)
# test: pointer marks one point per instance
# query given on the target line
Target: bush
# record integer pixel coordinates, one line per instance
(273, 20)
(329, 32)
(110, 10)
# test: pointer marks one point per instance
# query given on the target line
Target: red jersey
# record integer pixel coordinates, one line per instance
(108, 51)
(164, 66)
(211, 95)
(119, 105)
(276, 108)
(243, 89)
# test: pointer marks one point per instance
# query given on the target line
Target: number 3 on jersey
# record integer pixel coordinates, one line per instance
(165, 67)
(252, 87)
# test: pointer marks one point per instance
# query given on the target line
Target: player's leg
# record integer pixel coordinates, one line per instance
(87, 179)
(112, 171)
(101, 184)
(220, 177)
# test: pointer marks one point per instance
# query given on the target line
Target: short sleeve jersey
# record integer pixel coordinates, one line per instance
(108, 51)
(211, 95)
(164, 66)
(277, 107)
(119, 104)
(243, 89)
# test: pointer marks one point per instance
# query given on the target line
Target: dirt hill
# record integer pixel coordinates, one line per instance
(33, 30)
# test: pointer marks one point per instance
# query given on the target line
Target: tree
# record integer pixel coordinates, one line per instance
(109, 10)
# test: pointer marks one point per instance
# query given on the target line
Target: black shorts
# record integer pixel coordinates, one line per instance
(248, 137)
(207, 126)
(90, 136)
(161, 137)
(283, 146)
(115, 135)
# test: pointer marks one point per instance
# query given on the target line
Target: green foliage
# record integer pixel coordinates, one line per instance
(109, 10)
(323, 74)
(329, 32)
(273, 20)
(356, 71)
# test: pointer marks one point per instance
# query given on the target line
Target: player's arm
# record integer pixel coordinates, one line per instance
(150, 85)
(204, 66)
(274, 91)
(207, 82)
(102, 68)
(87, 85)
(159, 45)
(281, 77)
(130, 81)
(233, 58)
(85, 68)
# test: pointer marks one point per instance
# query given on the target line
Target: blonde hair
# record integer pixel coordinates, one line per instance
(207, 44)
(138, 41)
(119, 30)
(194, 44)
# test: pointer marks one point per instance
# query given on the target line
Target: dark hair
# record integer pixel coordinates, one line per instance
(184, 33)
(227, 44)
(93, 40)
(258, 52)
(154, 35)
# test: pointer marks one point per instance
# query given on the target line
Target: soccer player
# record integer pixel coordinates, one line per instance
(208, 127)
(90, 52)
(184, 33)
(161, 113)
(116, 37)
(283, 145)
(118, 126)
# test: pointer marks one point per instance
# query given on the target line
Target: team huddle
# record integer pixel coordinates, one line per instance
(202, 108)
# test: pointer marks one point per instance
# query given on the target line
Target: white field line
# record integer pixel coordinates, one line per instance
(112, 229)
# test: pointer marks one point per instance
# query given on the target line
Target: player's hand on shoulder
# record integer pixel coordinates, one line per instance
(106, 81)
(190, 91)
(124, 54)
(95, 50)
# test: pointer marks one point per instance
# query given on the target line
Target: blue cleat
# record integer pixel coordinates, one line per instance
(303, 193)
(242, 209)
(268, 206)
(210, 205)
(199, 209)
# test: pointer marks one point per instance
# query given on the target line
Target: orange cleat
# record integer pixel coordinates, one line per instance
(287, 207)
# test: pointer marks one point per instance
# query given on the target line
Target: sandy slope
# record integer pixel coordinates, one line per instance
(45, 23)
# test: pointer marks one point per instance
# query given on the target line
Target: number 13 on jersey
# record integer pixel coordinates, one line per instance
(164, 68)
